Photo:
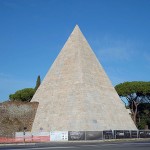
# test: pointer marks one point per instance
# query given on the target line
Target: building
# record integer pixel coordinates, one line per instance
(77, 95)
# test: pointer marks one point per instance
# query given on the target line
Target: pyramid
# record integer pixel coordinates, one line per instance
(77, 95)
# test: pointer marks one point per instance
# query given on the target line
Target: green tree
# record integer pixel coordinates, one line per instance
(22, 95)
(38, 82)
(143, 116)
(135, 93)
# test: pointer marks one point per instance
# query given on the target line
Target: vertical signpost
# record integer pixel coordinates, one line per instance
(24, 133)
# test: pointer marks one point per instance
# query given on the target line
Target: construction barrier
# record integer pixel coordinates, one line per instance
(76, 135)
(108, 134)
(7, 140)
(134, 134)
(59, 136)
(144, 134)
(20, 137)
(122, 134)
(41, 136)
(93, 135)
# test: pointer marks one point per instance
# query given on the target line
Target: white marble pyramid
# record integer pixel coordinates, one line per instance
(77, 95)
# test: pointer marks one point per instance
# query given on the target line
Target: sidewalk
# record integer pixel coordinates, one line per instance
(88, 141)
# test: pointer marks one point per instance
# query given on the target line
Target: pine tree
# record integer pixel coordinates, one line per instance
(38, 82)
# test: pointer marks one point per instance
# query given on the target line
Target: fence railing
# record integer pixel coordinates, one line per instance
(21, 137)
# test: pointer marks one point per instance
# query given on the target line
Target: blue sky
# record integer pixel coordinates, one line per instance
(32, 33)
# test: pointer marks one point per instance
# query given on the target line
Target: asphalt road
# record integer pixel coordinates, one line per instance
(82, 146)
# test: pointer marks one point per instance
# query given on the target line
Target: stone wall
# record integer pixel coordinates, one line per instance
(14, 116)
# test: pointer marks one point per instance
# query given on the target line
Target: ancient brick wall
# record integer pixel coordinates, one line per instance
(14, 116)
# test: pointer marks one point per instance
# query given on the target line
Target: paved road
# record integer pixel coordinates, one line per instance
(81, 146)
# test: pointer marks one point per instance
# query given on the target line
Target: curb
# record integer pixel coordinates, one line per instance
(90, 141)
(10, 144)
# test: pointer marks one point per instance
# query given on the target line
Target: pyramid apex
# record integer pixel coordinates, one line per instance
(77, 33)
(76, 27)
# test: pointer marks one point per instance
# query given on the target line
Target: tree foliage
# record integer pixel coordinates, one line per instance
(22, 95)
(25, 94)
(135, 92)
(143, 115)
(38, 82)
(140, 88)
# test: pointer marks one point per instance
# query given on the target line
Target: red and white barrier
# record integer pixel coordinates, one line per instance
(41, 137)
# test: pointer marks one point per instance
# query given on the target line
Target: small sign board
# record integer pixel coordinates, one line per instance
(144, 134)
(59, 136)
(134, 134)
(108, 134)
(93, 135)
(121, 134)
(76, 135)
(127, 134)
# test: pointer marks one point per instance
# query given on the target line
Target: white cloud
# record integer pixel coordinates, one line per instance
(115, 49)
(118, 57)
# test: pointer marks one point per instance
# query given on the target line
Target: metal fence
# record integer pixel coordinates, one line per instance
(22, 137)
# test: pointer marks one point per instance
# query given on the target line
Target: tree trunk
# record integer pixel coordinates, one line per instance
(134, 111)
(146, 127)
